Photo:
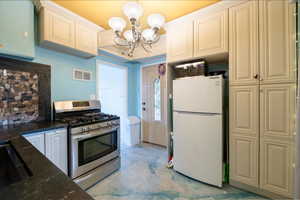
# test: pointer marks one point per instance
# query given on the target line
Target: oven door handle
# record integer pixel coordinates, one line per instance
(92, 133)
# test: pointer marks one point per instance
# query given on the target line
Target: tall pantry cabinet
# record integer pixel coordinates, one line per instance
(262, 70)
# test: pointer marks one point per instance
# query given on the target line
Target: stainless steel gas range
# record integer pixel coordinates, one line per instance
(94, 140)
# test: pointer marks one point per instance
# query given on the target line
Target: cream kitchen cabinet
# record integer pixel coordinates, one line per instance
(63, 31)
(56, 148)
(57, 28)
(277, 41)
(243, 44)
(244, 110)
(86, 38)
(276, 167)
(179, 41)
(277, 111)
(211, 34)
(53, 144)
(37, 140)
(244, 155)
(262, 126)
(244, 134)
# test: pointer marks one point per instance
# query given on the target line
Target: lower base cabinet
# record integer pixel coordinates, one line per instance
(53, 144)
(276, 166)
(244, 159)
(56, 148)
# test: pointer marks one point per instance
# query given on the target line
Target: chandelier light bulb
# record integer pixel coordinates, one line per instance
(128, 35)
(117, 23)
(148, 34)
(133, 10)
(156, 20)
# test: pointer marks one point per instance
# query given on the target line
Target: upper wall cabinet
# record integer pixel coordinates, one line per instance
(86, 38)
(277, 41)
(211, 34)
(57, 28)
(179, 41)
(243, 43)
(64, 31)
(17, 28)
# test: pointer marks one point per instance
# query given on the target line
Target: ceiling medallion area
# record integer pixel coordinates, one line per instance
(135, 36)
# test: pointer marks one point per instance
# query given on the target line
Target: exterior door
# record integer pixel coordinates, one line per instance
(153, 122)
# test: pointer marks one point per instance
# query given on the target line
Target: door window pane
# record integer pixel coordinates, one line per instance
(157, 100)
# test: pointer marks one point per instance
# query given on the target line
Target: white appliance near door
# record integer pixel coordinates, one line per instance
(198, 128)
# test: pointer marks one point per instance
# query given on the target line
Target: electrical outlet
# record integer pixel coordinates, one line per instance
(92, 97)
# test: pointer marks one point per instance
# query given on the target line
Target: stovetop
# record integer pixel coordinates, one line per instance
(87, 118)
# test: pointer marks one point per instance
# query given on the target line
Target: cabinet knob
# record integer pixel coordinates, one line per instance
(255, 76)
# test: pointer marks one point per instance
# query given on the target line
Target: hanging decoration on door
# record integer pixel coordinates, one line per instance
(161, 69)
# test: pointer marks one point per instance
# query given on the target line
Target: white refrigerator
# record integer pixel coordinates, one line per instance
(198, 128)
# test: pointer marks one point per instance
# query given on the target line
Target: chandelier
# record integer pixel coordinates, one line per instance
(135, 36)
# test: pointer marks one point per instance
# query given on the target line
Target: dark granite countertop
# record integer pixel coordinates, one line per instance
(47, 181)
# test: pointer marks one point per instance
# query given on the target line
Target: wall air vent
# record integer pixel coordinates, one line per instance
(82, 75)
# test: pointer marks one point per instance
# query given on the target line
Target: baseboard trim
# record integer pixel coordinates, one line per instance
(257, 190)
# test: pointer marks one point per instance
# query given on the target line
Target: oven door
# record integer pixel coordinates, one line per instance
(93, 149)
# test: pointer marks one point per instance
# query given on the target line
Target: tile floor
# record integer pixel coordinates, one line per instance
(143, 176)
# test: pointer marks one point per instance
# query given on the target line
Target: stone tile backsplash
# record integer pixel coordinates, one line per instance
(19, 96)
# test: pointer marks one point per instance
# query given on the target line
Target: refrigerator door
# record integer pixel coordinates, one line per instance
(198, 94)
(198, 146)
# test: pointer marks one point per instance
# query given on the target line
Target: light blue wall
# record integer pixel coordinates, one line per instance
(16, 18)
(134, 90)
(63, 87)
(19, 18)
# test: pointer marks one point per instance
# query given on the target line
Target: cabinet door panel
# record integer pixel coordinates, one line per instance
(243, 45)
(59, 29)
(56, 148)
(179, 41)
(211, 35)
(277, 110)
(244, 159)
(86, 39)
(276, 167)
(243, 105)
(37, 140)
(277, 30)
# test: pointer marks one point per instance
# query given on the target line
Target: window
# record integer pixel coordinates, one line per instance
(157, 100)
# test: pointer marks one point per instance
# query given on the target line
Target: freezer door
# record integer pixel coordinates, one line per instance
(198, 94)
(198, 146)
